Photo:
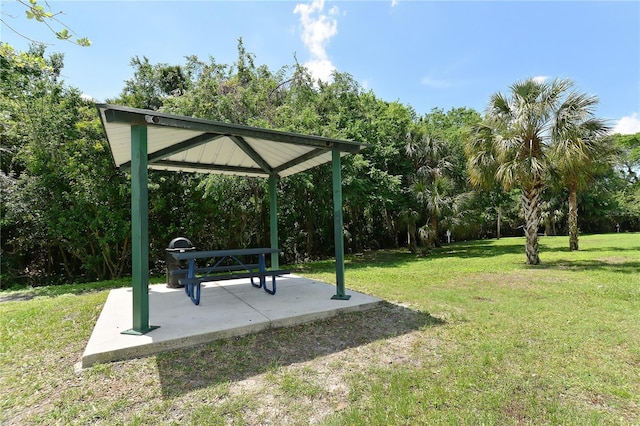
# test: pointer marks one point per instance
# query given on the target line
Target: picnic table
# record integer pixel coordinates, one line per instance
(226, 265)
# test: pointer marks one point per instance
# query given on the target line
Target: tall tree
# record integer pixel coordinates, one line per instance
(63, 213)
(431, 184)
(628, 156)
(514, 143)
(438, 179)
(628, 173)
(152, 85)
(579, 150)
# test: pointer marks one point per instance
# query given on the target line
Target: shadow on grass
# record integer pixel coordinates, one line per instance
(613, 265)
(21, 293)
(378, 258)
(613, 249)
(479, 249)
(463, 250)
(239, 358)
(62, 289)
(402, 257)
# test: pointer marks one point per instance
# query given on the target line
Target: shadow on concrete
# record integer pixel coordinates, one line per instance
(238, 358)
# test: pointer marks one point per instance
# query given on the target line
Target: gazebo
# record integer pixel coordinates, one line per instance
(140, 140)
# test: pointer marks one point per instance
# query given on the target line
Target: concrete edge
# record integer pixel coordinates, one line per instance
(154, 348)
(316, 316)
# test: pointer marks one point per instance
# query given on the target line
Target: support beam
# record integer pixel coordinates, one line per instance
(273, 219)
(139, 231)
(179, 147)
(309, 155)
(248, 149)
(207, 168)
(338, 233)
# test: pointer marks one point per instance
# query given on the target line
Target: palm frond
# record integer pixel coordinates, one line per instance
(539, 128)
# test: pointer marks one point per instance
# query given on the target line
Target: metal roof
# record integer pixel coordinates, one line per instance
(188, 144)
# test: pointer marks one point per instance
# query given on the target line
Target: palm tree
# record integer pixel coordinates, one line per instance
(514, 143)
(409, 217)
(580, 148)
(431, 184)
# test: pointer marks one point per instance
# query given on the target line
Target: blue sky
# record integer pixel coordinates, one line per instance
(426, 54)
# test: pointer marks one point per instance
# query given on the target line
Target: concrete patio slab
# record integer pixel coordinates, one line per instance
(227, 308)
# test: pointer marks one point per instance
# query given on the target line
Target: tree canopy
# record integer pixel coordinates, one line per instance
(66, 208)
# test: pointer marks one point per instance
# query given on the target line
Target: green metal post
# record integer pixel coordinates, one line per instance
(139, 232)
(338, 233)
(273, 219)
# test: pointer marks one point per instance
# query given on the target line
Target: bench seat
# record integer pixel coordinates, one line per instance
(209, 269)
(192, 286)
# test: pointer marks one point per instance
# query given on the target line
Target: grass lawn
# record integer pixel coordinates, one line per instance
(469, 335)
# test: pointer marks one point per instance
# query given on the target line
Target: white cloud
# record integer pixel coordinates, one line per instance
(628, 125)
(320, 69)
(317, 29)
(394, 3)
(540, 78)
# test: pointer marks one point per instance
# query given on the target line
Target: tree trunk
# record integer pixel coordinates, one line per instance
(411, 236)
(499, 221)
(392, 228)
(354, 236)
(433, 233)
(530, 198)
(573, 217)
(311, 229)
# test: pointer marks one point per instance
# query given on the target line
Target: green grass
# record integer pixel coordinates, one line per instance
(471, 335)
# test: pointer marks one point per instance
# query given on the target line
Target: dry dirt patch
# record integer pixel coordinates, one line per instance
(325, 382)
(305, 370)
